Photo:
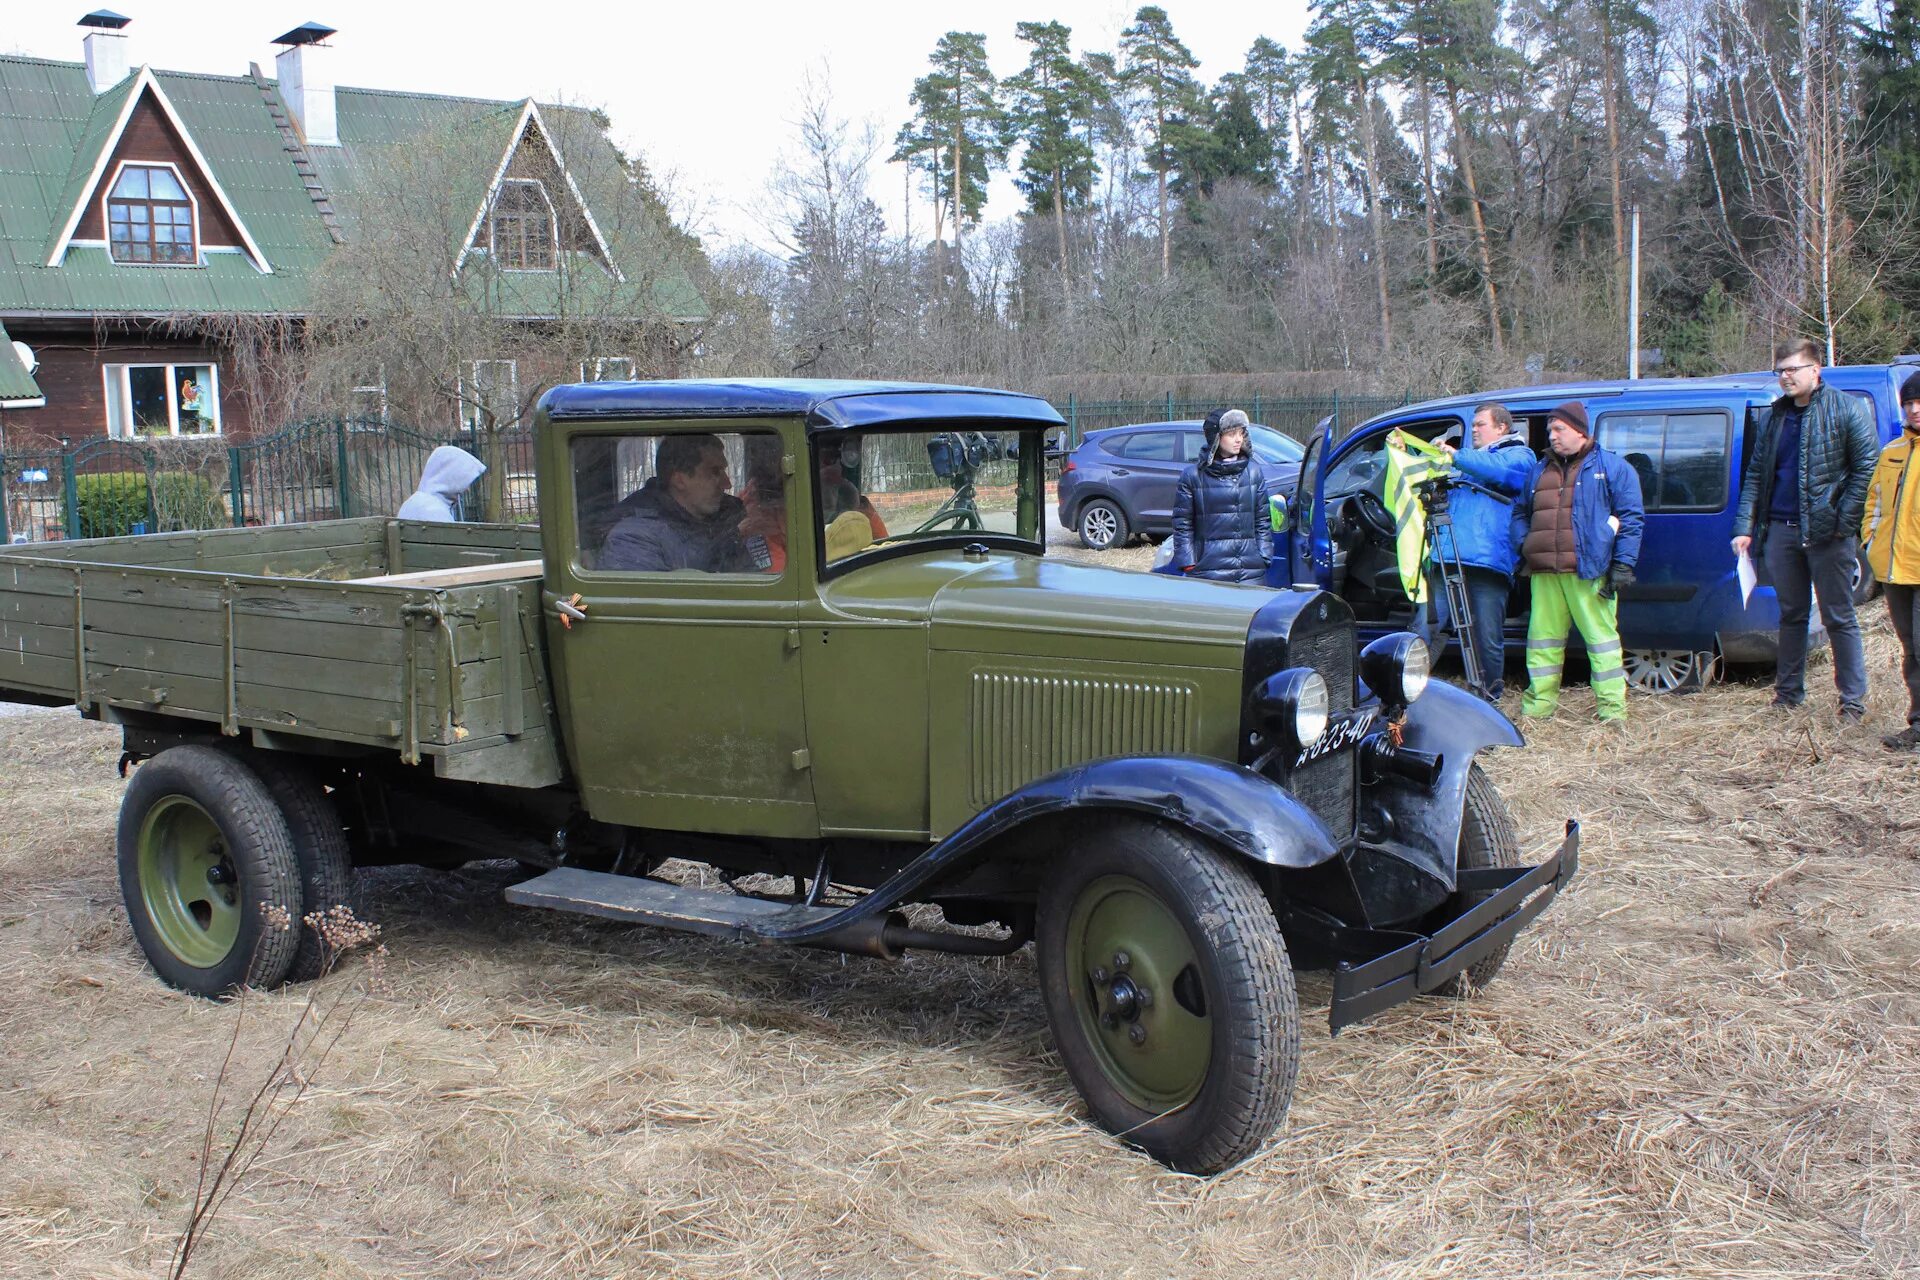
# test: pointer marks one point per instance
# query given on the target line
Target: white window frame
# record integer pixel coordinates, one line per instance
(377, 389)
(553, 225)
(595, 370)
(106, 221)
(470, 391)
(117, 387)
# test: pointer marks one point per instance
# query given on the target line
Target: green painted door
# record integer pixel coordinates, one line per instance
(682, 689)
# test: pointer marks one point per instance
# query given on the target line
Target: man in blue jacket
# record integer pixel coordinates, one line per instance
(1577, 526)
(1497, 466)
(1801, 504)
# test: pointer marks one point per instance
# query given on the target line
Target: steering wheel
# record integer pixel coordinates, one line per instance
(1364, 508)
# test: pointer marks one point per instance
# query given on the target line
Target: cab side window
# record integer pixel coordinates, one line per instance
(1681, 458)
(679, 502)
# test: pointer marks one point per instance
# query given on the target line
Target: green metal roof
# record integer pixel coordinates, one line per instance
(17, 387)
(53, 130)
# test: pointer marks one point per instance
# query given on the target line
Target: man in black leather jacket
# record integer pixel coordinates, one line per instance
(1800, 507)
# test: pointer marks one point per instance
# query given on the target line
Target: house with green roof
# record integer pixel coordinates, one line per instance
(144, 212)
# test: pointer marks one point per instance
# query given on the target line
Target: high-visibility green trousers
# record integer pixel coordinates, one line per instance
(1562, 601)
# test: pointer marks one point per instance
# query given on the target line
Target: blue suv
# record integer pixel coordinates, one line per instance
(1120, 481)
(1687, 438)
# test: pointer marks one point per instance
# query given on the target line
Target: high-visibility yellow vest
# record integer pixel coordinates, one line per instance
(1411, 461)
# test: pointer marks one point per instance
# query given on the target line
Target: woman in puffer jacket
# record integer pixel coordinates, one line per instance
(1220, 519)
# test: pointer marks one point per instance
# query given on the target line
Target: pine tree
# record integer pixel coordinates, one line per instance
(958, 134)
(1161, 68)
(1047, 103)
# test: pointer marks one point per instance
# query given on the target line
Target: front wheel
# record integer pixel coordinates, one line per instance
(1487, 839)
(209, 873)
(1102, 525)
(1865, 585)
(1170, 994)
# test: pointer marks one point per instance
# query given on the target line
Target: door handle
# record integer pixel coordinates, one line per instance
(569, 610)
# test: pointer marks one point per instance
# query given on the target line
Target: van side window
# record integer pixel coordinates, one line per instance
(1681, 458)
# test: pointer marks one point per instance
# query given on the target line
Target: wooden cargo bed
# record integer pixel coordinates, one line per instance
(373, 633)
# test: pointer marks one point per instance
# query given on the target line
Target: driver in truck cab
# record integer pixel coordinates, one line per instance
(685, 517)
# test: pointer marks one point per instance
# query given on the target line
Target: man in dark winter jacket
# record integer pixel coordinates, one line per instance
(1800, 507)
(684, 517)
(1221, 526)
(1577, 526)
(1496, 466)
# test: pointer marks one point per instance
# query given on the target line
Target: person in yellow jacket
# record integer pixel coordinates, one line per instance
(1890, 535)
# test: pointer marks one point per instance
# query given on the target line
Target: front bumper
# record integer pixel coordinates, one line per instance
(1410, 964)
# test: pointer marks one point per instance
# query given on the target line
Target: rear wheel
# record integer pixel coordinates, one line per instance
(319, 845)
(1669, 670)
(206, 865)
(1102, 525)
(1170, 994)
(1487, 839)
(1865, 585)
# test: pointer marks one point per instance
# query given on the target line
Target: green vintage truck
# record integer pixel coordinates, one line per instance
(786, 662)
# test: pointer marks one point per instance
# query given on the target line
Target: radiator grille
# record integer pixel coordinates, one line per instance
(1327, 785)
(1025, 726)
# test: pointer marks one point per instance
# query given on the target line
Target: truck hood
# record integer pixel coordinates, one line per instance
(1029, 605)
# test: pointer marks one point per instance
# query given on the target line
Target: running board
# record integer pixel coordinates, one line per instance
(719, 913)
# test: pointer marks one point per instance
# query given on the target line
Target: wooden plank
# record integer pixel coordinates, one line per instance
(36, 671)
(532, 760)
(294, 710)
(308, 637)
(504, 571)
(164, 658)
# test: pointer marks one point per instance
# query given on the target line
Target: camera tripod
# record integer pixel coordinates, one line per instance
(1439, 551)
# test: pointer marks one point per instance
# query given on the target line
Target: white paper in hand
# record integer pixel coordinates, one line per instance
(1747, 579)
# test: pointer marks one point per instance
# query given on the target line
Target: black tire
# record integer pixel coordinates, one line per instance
(1102, 525)
(320, 844)
(205, 857)
(1206, 938)
(1487, 839)
(1865, 585)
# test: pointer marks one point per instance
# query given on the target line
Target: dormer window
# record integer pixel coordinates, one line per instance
(150, 217)
(523, 226)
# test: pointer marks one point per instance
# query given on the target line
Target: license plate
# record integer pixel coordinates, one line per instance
(1340, 735)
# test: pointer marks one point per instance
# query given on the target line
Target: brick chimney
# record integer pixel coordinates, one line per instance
(305, 70)
(106, 46)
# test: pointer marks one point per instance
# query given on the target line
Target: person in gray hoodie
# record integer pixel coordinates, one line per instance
(448, 474)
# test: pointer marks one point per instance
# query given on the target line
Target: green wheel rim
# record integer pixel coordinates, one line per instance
(1136, 988)
(188, 883)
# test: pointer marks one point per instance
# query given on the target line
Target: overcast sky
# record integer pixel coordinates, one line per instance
(705, 90)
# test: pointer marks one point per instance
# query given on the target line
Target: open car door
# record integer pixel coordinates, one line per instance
(1303, 553)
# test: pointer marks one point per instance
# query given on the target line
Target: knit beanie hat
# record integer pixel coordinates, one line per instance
(1910, 389)
(1574, 414)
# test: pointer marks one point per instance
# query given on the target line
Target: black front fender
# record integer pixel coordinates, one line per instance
(1226, 803)
(1411, 823)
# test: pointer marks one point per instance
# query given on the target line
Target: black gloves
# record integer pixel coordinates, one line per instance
(1618, 576)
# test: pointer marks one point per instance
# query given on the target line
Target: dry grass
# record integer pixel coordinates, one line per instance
(1702, 1062)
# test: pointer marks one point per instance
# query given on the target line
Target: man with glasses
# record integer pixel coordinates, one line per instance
(1801, 503)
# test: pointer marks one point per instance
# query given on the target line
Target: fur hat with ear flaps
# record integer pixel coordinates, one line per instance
(1222, 420)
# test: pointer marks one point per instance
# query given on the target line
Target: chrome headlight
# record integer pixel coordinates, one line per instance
(1293, 704)
(1395, 667)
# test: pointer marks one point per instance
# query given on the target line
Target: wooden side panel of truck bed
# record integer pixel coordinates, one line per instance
(210, 627)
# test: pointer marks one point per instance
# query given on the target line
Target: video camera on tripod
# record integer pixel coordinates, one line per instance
(1439, 551)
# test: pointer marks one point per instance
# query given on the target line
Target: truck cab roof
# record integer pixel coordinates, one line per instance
(825, 404)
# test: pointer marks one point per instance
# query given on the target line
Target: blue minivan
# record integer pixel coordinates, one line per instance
(1688, 439)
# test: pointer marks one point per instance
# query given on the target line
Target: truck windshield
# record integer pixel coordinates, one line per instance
(887, 488)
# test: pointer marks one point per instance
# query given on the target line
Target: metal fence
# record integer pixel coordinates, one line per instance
(319, 469)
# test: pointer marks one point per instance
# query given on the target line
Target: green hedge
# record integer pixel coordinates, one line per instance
(112, 502)
(184, 500)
